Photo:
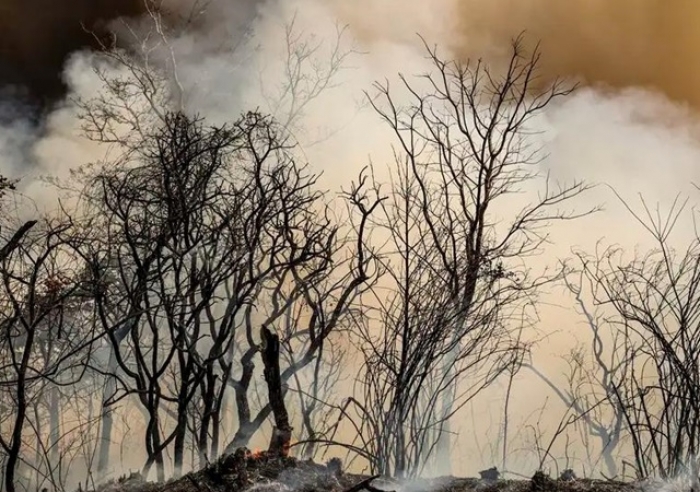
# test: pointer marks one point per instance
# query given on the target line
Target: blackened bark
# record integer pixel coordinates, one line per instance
(54, 426)
(180, 438)
(14, 449)
(16, 239)
(109, 391)
(282, 432)
(207, 392)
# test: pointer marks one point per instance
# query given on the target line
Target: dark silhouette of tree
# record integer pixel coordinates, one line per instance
(649, 304)
(458, 287)
(42, 342)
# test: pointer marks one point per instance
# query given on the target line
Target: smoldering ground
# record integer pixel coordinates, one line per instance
(629, 127)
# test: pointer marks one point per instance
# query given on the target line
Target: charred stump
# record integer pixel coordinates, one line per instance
(282, 432)
(490, 475)
(568, 475)
(541, 482)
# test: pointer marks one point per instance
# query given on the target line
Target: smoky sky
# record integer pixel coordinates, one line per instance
(36, 37)
(614, 43)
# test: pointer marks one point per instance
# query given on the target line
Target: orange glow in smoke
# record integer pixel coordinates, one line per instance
(257, 454)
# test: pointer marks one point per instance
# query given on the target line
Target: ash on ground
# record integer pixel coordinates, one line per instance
(247, 472)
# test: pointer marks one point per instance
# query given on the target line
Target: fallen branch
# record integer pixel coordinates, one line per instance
(366, 485)
(16, 238)
(196, 485)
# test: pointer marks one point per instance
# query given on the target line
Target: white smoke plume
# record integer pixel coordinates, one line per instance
(635, 139)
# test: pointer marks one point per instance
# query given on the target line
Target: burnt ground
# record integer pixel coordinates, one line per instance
(247, 473)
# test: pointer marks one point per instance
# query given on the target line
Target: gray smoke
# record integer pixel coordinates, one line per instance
(231, 58)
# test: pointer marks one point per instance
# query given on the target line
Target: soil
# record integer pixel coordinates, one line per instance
(247, 472)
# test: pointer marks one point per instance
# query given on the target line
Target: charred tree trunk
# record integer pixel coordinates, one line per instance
(16, 443)
(154, 449)
(216, 419)
(242, 437)
(282, 432)
(13, 450)
(207, 392)
(108, 392)
(180, 439)
(105, 431)
(246, 427)
(54, 427)
(215, 433)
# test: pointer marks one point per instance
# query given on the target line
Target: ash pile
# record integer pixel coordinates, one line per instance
(244, 471)
(250, 472)
(491, 480)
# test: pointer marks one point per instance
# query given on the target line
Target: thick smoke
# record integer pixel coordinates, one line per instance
(36, 38)
(628, 128)
(640, 43)
(622, 43)
(653, 44)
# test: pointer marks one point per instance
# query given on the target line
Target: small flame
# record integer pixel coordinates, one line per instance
(257, 454)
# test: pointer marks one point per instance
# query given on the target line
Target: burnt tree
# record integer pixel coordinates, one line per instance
(282, 431)
(469, 204)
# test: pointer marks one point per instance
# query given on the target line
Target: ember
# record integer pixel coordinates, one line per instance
(257, 454)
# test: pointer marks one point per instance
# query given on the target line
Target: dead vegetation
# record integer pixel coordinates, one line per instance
(263, 472)
(245, 470)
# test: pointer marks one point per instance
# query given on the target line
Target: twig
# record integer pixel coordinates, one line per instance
(197, 485)
(13, 243)
(365, 484)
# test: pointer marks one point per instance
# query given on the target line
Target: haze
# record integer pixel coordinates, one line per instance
(632, 124)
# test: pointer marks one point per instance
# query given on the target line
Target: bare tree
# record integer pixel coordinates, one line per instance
(62, 435)
(140, 89)
(651, 310)
(326, 290)
(298, 238)
(459, 287)
(589, 391)
(196, 225)
(309, 70)
(43, 344)
(197, 214)
(316, 390)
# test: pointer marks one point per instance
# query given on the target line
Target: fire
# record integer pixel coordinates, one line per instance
(257, 454)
